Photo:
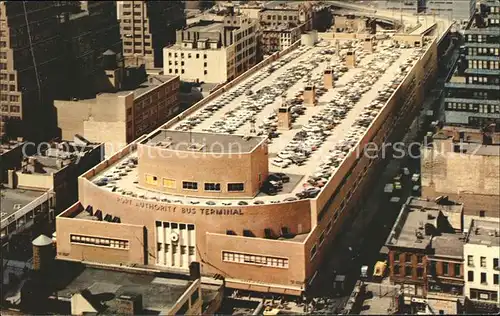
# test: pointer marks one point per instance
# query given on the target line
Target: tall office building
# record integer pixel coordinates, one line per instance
(89, 28)
(147, 27)
(49, 50)
(29, 55)
(472, 93)
(458, 10)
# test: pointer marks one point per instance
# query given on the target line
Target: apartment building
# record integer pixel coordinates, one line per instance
(425, 255)
(213, 51)
(147, 27)
(446, 163)
(275, 39)
(482, 268)
(30, 52)
(473, 92)
(283, 16)
(459, 10)
(130, 103)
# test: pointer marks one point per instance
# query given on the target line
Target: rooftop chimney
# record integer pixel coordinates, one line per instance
(194, 271)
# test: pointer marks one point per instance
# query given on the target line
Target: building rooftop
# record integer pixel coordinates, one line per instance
(159, 294)
(206, 26)
(485, 233)
(10, 145)
(448, 245)
(419, 222)
(203, 142)
(13, 200)
(355, 97)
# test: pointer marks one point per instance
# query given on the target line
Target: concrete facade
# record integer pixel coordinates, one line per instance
(481, 256)
(213, 51)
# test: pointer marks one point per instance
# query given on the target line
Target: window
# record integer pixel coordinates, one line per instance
(457, 269)
(212, 186)
(408, 257)
(482, 213)
(321, 238)
(483, 278)
(470, 261)
(153, 180)
(397, 269)
(187, 185)
(313, 251)
(98, 241)
(470, 276)
(205, 72)
(254, 259)
(408, 271)
(495, 279)
(420, 258)
(397, 256)
(420, 273)
(235, 187)
(329, 226)
(169, 183)
(483, 262)
(495, 263)
(445, 268)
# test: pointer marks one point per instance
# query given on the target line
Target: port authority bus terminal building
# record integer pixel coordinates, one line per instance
(173, 197)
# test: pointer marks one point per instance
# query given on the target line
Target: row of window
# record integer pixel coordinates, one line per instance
(12, 98)
(191, 185)
(483, 64)
(481, 38)
(13, 108)
(407, 257)
(11, 77)
(176, 71)
(483, 51)
(480, 108)
(486, 80)
(482, 262)
(483, 295)
(407, 271)
(279, 17)
(189, 55)
(98, 241)
(255, 259)
(445, 268)
(484, 277)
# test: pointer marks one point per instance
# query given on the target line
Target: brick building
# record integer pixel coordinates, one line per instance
(425, 255)
(446, 165)
(130, 104)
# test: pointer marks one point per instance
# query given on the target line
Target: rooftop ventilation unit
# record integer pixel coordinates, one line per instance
(248, 233)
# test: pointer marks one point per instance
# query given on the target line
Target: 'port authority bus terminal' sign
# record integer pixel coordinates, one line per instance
(184, 209)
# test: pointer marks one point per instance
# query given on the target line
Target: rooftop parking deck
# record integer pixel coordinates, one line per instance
(321, 136)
